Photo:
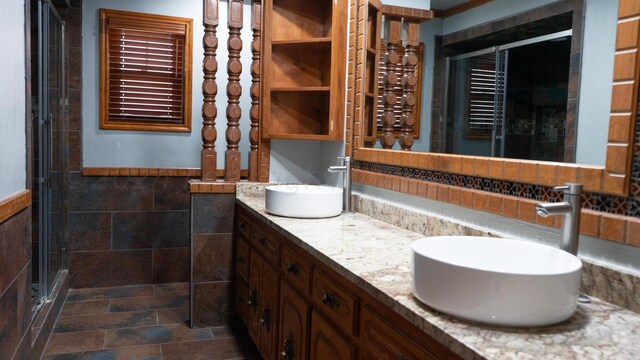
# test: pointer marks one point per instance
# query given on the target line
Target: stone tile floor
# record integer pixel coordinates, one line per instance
(139, 322)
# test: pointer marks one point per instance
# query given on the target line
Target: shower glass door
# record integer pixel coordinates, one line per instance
(475, 103)
(50, 115)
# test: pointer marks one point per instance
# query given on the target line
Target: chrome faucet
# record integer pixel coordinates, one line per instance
(346, 179)
(570, 209)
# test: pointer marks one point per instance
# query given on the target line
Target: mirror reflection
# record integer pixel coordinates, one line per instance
(506, 79)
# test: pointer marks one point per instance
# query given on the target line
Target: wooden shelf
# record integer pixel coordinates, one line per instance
(301, 88)
(307, 41)
(303, 69)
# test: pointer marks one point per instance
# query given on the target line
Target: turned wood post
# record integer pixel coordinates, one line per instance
(254, 113)
(209, 91)
(393, 32)
(409, 80)
(234, 90)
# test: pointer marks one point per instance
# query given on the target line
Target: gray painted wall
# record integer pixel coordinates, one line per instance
(417, 4)
(12, 100)
(115, 148)
(300, 161)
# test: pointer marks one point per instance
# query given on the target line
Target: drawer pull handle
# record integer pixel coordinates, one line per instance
(265, 320)
(253, 299)
(263, 241)
(328, 299)
(242, 225)
(239, 258)
(293, 268)
(289, 351)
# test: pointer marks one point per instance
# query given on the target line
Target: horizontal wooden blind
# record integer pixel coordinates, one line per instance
(482, 92)
(397, 109)
(146, 63)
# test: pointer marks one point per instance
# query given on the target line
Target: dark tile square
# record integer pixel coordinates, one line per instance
(149, 303)
(212, 257)
(89, 231)
(226, 348)
(213, 304)
(171, 193)
(145, 230)
(89, 193)
(154, 335)
(106, 293)
(109, 268)
(171, 265)
(212, 213)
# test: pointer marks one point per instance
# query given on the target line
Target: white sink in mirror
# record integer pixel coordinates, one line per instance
(304, 201)
(496, 281)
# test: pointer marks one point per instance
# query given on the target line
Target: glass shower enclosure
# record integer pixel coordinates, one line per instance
(50, 108)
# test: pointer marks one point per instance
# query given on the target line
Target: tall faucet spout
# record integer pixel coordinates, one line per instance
(548, 209)
(346, 181)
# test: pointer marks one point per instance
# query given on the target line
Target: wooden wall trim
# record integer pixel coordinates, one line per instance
(14, 204)
(617, 228)
(407, 13)
(459, 8)
(169, 172)
(204, 187)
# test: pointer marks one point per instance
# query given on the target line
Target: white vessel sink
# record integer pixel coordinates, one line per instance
(304, 201)
(496, 281)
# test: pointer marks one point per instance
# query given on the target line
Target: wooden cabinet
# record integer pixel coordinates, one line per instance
(296, 307)
(263, 305)
(381, 340)
(327, 342)
(303, 74)
(294, 324)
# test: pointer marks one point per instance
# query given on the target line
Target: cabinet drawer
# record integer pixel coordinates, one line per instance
(335, 302)
(242, 223)
(381, 340)
(242, 258)
(266, 241)
(296, 269)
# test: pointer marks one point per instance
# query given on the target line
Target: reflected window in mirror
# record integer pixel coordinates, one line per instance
(509, 100)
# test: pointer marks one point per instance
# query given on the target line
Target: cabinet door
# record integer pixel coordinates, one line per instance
(269, 307)
(294, 321)
(255, 311)
(327, 342)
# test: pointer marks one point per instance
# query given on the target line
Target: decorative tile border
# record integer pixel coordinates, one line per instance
(613, 227)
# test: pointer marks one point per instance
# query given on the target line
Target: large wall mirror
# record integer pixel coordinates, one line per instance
(553, 82)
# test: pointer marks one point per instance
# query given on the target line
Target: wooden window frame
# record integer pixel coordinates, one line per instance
(149, 22)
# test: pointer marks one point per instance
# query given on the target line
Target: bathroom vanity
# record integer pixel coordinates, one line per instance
(339, 288)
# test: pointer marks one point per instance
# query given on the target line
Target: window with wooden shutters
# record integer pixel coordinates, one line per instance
(397, 109)
(145, 71)
(483, 83)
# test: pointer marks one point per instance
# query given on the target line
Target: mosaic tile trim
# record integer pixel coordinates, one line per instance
(620, 205)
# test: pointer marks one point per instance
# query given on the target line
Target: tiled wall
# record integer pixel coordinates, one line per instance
(15, 285)
(128, 230)
(212, 260)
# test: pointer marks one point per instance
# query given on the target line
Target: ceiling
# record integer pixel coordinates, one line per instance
(445, 4)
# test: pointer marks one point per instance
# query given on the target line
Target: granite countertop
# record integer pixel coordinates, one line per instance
(376, 256)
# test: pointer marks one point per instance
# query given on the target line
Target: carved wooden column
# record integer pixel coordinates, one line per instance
(393, 32)
(209, 90)
(234, 90)
(254, 113)
(409, 80)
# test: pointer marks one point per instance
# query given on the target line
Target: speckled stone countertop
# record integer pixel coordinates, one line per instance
(376, 256)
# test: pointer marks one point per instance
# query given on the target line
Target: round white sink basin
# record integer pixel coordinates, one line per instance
(304, 201)
(496, 281)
